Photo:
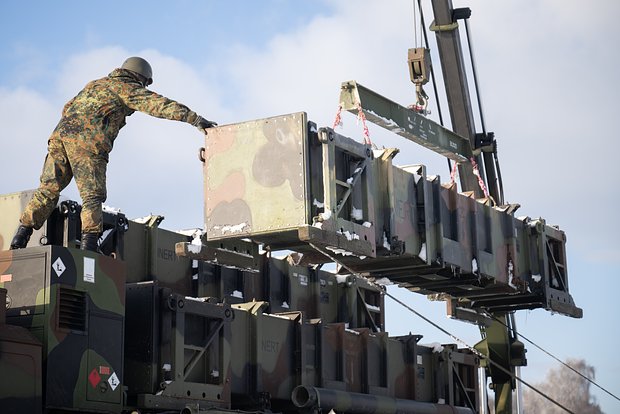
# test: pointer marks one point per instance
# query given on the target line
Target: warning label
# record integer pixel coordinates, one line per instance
(113, 381)
(94, 378)
(59, 267)
(89, 270)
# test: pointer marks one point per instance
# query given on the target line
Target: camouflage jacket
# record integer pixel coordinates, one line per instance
(97, 113)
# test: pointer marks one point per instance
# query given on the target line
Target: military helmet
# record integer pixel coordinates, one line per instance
(139, 66)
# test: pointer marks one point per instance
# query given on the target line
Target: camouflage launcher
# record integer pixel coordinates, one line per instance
(332, 198)
(159, 323)
(157, 333)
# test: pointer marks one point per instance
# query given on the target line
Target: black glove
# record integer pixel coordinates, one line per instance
(203, 124)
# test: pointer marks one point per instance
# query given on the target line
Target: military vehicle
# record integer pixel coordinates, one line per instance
(163, 321)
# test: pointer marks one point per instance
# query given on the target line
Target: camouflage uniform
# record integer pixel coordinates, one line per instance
(80, 145)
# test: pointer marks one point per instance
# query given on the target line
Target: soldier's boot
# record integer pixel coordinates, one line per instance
(21, 238)
(89, 242)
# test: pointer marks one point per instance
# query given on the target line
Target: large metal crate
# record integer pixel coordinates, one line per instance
(315, 182)
(74, 303)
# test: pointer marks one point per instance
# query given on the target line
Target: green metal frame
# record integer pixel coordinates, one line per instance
(404, 122)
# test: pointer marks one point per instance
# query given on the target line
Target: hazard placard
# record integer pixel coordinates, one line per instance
(113, 381)
(59, 267)
(94, 378)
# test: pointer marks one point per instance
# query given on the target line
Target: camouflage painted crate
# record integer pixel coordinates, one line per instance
(74, 303)
(306, 176)
(249, 163)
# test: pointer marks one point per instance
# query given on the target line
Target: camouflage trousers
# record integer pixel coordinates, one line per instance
(67, 159)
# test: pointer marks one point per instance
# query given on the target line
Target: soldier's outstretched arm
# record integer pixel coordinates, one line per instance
(151, 103)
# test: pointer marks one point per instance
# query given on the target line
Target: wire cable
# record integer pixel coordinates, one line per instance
(415, 27)
(499, 174)
(426, 44)
(481, 111)
(475, 75)
(445, 331)
(555, 358)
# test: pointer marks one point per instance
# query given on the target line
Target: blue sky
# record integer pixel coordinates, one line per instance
(548, 78)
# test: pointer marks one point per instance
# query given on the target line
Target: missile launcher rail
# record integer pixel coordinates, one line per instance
(331, 197)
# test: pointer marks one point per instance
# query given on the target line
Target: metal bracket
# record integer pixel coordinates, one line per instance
(485, 142)
(245, 258)
(404, 122)
(350, 184)
(369, 316)
(335, 242)
(443, 27)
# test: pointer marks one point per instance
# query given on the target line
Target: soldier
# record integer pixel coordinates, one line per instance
(80, 145)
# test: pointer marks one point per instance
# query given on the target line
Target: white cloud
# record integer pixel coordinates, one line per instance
(303, 70)
(81, 68)
(26, 120)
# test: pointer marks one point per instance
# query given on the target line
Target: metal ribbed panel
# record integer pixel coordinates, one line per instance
(71, 310)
